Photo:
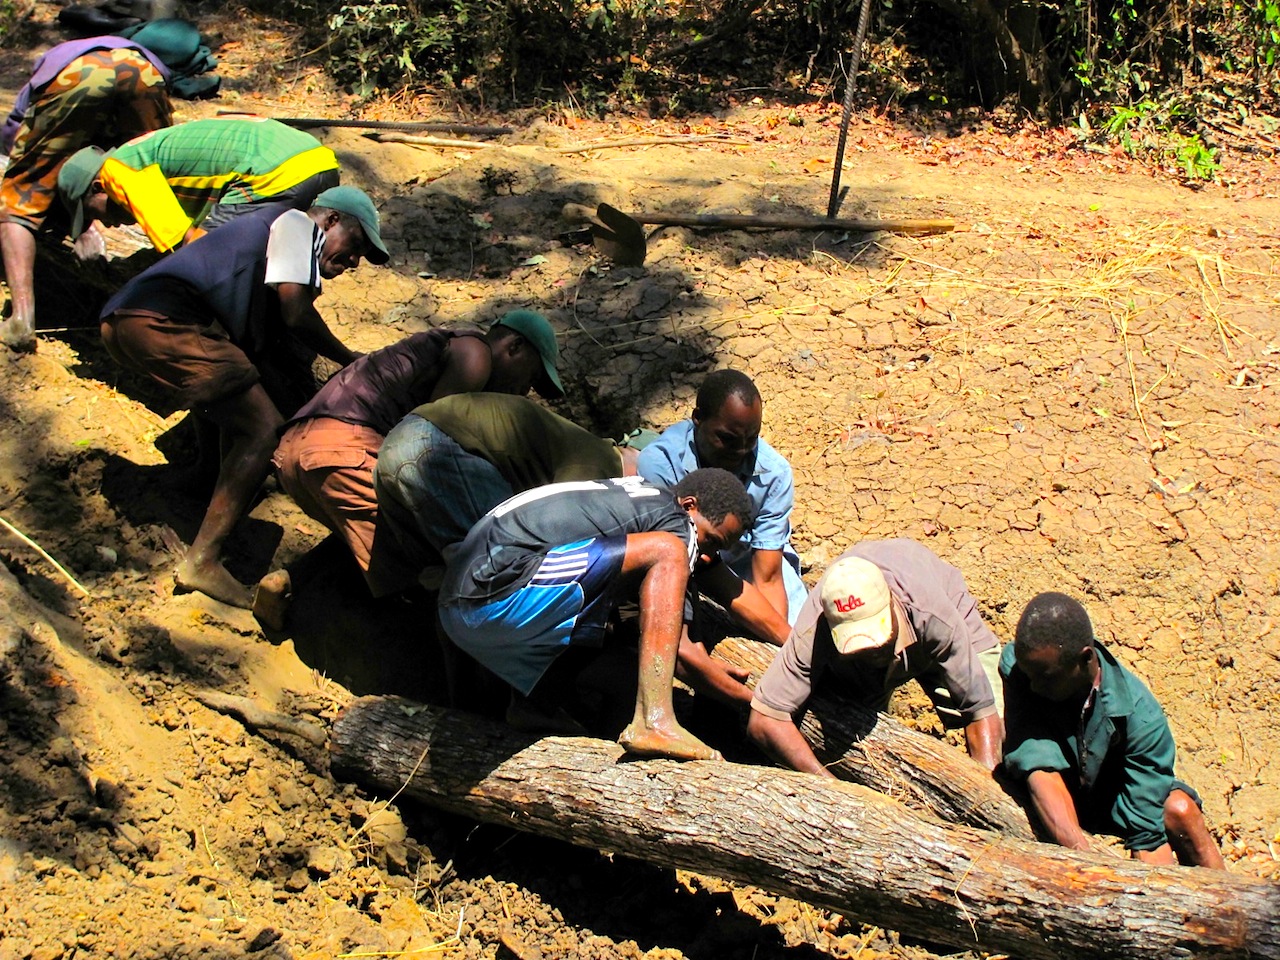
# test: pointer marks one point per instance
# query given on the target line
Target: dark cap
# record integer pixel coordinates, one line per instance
(534, 327)
(75, 178)
(354, 201)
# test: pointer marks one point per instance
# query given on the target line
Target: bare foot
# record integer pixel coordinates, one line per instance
(525, 715)
(271, 599)
(213, 580)
(18, 334)
(675, 742)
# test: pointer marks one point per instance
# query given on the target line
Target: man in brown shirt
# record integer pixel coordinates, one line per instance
(885, 612)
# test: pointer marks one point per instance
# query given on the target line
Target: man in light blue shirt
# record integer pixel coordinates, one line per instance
(725, 432)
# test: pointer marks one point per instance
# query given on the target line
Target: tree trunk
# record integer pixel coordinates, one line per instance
(839, 846)
(879, 752)
(1006, 51)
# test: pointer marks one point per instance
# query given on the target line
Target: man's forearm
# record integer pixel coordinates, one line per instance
(708, 677)
(310, 328)
(754, 611)
(766, 574)
(984, 739)
(775, 593)
(745, 603)
(1055, 809)
(784, 742)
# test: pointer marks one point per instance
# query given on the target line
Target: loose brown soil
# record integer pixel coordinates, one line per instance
(1075, 391)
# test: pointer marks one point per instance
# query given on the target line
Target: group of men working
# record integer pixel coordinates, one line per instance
(428, 453)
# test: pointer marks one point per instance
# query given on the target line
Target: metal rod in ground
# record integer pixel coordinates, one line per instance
(850, 88)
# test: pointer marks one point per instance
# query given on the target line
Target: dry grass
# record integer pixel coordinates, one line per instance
(1144, 269)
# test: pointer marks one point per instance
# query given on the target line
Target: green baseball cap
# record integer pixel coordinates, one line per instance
(75, 177)
(534, 327)
(356, 202)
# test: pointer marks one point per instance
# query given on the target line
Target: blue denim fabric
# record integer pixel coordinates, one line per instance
(431, 492)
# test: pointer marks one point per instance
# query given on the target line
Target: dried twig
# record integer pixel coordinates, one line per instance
(677, 141)
(40, 550)
(431, 141)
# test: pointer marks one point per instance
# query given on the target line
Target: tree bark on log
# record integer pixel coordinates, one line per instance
(835, 845)
(877, 751)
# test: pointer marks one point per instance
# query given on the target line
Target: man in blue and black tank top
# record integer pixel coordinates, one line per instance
(542, 571)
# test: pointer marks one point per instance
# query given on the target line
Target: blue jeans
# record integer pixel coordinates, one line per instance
(431, 492)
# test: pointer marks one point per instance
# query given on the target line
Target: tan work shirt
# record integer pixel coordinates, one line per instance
(942, 635)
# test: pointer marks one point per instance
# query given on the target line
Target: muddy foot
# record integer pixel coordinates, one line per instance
(678, 744)
(271, 599)
(17, 335)
(213, 580)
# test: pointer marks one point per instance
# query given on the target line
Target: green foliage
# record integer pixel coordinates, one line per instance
(1154, 131)
(1266, 16)
(490, 46)
(1263, 17)
(385, 44)
(8, 19)
(1056, 57)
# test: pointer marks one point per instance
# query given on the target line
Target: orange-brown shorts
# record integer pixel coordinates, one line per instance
(196, 365)
(326, 465)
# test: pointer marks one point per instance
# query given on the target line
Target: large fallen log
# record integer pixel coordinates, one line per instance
(877, 751)
(839, 846)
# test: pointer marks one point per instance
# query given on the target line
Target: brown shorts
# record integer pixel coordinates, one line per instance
(197, 366)
(326, 465)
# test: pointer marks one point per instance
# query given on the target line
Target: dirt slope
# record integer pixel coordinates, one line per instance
(1075, 392)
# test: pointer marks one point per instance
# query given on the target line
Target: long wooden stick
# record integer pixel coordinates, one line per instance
(40, 550)
(580, 213)
(676, 141)
(436, 126)
(431, 141)
(751, 221)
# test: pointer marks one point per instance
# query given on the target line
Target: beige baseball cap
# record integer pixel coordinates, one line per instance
(856, 603)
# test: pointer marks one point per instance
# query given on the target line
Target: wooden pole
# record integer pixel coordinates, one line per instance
(838, 846)
(580, 213)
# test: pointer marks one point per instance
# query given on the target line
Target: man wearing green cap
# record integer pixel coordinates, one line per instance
(199, 324)
(180, 182)
(328, 452)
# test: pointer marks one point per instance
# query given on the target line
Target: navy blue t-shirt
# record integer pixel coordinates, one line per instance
(503, 551)
(218, 278)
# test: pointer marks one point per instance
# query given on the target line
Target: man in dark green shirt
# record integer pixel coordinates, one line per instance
(449, 462)
(1092, 743)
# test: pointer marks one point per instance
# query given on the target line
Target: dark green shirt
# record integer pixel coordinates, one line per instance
(529, 444)
(1116, 756)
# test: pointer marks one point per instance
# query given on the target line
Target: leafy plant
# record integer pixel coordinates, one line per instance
(1152, 130)
(385, 44)
(1265, 18)
(9, 17)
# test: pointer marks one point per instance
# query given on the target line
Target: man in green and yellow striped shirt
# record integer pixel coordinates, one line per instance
(180, 182)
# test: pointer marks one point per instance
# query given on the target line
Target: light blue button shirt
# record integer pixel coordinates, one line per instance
(767, 477)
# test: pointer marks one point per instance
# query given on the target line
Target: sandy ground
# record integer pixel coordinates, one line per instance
(1074, 391)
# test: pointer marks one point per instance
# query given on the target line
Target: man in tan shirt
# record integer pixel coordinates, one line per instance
(885, 612)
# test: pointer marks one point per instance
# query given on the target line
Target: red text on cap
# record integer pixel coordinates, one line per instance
(849, 604)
